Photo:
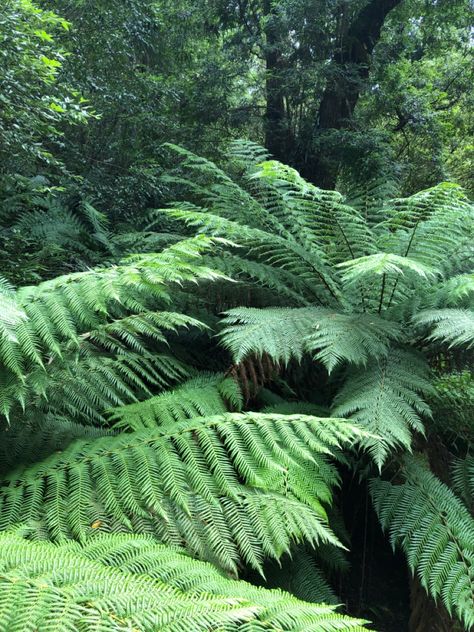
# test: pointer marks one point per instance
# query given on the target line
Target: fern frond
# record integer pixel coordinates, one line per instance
(463, 480)
(436, 533)
(141, 554)
(113, 308)
(120, 584)
(247, 153)
(202, 396)
(369, 196)
(382, 263)
(317, 218)
(351, 338)
(186, 472)
(81, 230)
(279, 332)
(386, 400)
(457, 291)
(270, 248)
(302, 576)
(453, 326)
(38, 436)
(433, 227)
(284, 334)
(453, 400)
(85, 386)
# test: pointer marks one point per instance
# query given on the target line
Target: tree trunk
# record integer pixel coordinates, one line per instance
(350, 69)
(276, 124)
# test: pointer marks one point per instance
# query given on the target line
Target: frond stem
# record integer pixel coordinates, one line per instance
(382, 292)
(405, 255)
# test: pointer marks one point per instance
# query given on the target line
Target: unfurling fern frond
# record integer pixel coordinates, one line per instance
(286, 334)
(184, 483)
(128, 583)
(435, 531)
(386, 400)
(203, 396)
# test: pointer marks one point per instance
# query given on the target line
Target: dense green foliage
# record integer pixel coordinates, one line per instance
(234, 372)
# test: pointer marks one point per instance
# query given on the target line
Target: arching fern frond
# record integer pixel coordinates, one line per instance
(436, 533)
(141, 554)
(386, 400)
(153, 588)
(433, 227)
(114, 309)
(329, 336)
(202, 396)
(164, 481)
(452, 326)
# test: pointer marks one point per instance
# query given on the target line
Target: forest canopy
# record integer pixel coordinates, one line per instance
(236, 315)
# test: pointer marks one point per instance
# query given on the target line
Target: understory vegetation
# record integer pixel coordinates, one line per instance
(236, 316)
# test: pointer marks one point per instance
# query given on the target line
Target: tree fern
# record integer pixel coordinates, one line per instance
(54, 589)
(436, 533)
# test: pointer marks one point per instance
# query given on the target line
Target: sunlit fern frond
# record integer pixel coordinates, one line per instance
(128, 583)
(114, 309)
(166, 481)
